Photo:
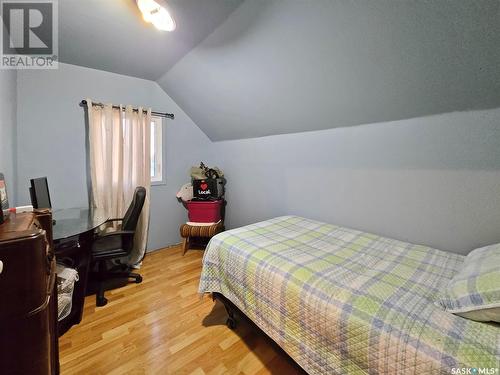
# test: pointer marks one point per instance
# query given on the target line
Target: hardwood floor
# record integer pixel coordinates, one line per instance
(161, 326)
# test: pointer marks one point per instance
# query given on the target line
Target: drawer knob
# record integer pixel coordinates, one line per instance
(1, 266)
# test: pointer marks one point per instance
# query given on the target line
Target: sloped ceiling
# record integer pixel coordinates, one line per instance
(111, 35)
(282, 66)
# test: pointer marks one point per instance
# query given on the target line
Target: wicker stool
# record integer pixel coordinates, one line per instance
(207, 231)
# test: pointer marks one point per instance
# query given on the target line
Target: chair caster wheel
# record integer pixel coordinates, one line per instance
(138, 279)
(231, 323)
(99, 302)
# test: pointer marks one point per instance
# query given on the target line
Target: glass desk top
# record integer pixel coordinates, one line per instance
(74, 221)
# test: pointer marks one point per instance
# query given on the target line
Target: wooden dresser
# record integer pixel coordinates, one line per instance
(28, 295)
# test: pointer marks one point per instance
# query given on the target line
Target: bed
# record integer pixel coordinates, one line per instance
(341, 301)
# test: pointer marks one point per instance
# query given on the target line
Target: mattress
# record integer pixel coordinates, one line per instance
(341, 301)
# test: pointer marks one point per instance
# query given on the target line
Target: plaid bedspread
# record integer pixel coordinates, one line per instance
(341, 301)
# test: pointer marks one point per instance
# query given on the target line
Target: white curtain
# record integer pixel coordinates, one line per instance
(120, 160)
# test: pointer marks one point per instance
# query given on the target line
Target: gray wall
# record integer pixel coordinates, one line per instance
(51, 139)
(431, 180)
(8, 104)
(284, 66)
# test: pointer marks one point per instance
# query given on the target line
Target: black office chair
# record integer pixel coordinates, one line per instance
(117, 244)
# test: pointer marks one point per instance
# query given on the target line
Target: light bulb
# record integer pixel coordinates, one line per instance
(154, 13)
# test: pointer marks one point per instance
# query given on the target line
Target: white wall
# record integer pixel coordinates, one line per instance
(285, 66)
(8, 104)
(51, 139)
(432, 180)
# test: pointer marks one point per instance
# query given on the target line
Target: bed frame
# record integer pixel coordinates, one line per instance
(231, 322)
(231, 310)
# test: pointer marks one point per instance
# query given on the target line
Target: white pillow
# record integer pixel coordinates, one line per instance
(474, 292)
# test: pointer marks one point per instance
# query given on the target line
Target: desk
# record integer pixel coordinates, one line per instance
(73, 237)
(28, 295)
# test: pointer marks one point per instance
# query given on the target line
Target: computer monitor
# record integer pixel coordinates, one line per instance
(39, 192)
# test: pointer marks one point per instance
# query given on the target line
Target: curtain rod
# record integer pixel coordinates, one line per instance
(84, 103)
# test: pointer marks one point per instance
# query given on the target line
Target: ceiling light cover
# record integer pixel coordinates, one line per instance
(156, 14)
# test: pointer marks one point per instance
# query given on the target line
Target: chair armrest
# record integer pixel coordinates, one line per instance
(115, 219)
(108, 223)
(121, 240)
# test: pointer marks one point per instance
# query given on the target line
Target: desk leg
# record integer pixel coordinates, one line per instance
(54, 337)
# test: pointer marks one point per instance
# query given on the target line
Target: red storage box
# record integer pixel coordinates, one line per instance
(204, 211)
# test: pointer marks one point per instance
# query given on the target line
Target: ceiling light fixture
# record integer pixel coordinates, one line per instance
(156, 14)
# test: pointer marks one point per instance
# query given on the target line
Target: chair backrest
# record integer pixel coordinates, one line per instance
(134, 210)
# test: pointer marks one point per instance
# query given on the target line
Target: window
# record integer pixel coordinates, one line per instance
(156, 150)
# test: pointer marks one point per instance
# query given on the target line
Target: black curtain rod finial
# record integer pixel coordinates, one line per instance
(171, 116)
